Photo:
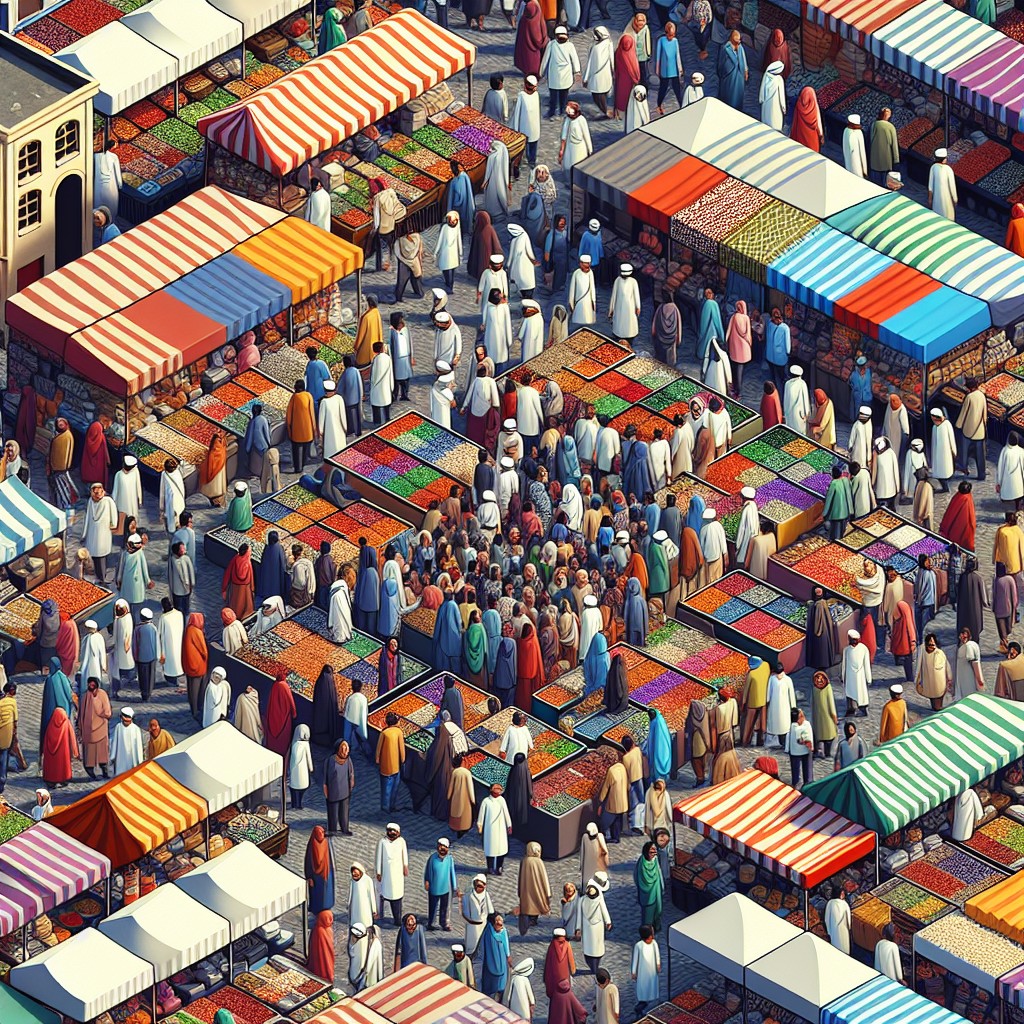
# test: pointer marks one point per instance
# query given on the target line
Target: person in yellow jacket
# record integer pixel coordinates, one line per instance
(754, 700)
(300, 422)
(894, 715)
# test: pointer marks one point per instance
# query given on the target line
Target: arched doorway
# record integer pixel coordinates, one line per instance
(67, 216)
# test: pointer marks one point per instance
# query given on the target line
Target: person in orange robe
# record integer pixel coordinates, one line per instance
(807, 129)
(59, 747)
(1015, 230)
(530, 666)
(771, 407)
(960, 521)
(321, 946)
(238, 586)
(279, 719)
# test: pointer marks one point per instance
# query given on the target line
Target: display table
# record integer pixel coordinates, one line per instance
(795, 458)
(1000, 842)
(674, 399)
(417, 635)
(700, 656)
(952, 874)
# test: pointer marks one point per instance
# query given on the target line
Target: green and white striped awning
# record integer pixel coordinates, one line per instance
(932, 762)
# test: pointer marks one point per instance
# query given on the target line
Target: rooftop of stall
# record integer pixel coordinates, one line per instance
(897, 783)
(419, 994)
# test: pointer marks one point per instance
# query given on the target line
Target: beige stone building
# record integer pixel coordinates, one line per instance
(46, 162)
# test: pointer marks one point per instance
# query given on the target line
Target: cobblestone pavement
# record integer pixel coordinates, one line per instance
(421, 831)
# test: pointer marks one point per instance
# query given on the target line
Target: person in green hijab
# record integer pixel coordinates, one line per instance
(985, 11)
(650, 885)
(332, 33)
(223, 1017)
(240, 509)
(658, 558)
(474, 650)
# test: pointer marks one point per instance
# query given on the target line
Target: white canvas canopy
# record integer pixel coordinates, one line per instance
(168, 929)
(128, 67)
(245, 887)
(760, 156)
(191, 30)
(805, 975)
(729, 935)
(84, 976)
(256, 15)
(221, 765)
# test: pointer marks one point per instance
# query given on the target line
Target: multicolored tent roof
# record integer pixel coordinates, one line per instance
(777, 827)
(339, 93)
(855, 19)
(993, 81)
(932, 762)
(421, 993)
(884, 1001)
(614, 172)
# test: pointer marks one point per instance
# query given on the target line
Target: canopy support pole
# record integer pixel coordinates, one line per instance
(153, 1006)
(207, 830)
(303, 924)
(469, 85)
(231, 961)
(282, 799)
(878, 865)
(359, 311)
(24, 942)
(807, 924)
(107, 889)
(945, 118)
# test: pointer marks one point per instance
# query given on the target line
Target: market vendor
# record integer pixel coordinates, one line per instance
(860, 386)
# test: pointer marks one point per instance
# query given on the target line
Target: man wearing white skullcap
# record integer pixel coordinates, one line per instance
(442, 400)
(217, 698)
(714, 547)
(461, 967)
(854, 152)
(942, 197)
(99, 523)
(440, 883)
(332, 421)
(391, 866)
(887, 473)
(127, 489)
(749, 525)
(624, 307)
(525, 117)
(695, 90)
(447, 339)
(591, 624)
(860, 437)
(943, 447)
(856, 674)
(126, 750)
(494, 276)
(582, 295)
(796, 401)
(895, 721)
(592, 245)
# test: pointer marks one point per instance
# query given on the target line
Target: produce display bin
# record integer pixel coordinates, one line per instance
(417, 635)
(1000, 842)
(795, 458)
(420, 705)
(972, 952)
(551, 747)
(952, 874)
(758, 618)
(282, 983)
(244, 1008)
(12, 821)
(911, 908)
(696, 653)
(676, 396)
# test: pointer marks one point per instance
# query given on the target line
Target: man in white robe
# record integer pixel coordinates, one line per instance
(494, 824)
(716, 369)
(714, 546)
(498, 332)
(99, 524)
(942, 197)
(796, 401)
(916, 459)
(339, 615)
(749, 525)
(856, 674)
(967, 813)
(582, 295)
(171, 630)
(361, 896)
(126, 747)
(497, 180)
(448, 340)
(560, 65)
(838, 921)
(695, 90)
(854, 155)
(645, 966)
(659, 460)
(382, 384)
(585, 435)
(887, 955)
(531, 330)
(682, 448)
(526, 117)
(943, 447)
(172, 496)
(772, 96)
(886, 474)
(529, 418)
(391, 866)
(365, 957)
(332, 421)
(92, 654)
(217, 698)
(271, 614)
(508, 483)
(522, 261)
(354, 720)
(860, 437)
(318, 206)
(1010, 471)
(494, 276)
(591, 623)
(127, 489)
(624, 307)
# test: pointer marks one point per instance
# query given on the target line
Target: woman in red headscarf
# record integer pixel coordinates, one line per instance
(238, 587)
(194, 659)
(777, 49)
(531, 39)
(807, 129)
(530, 670)
(771, 407)
(627, 72)
(279, 719)
(213, 471)
(960, 521)
(25, 424)
(67, 644)
(59, 747)
(868, 637)
(95, 465)
(321, 947)
(1014, 238)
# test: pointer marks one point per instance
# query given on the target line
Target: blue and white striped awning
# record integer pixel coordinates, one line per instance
(883, 1001)
(25, 520)
(823, 266)
(931, 40)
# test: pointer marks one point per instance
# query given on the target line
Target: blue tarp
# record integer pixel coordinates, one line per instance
(232, 292)
(25, 520)
(885, 1002)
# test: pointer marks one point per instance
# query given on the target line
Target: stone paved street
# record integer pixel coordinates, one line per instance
(495, 50)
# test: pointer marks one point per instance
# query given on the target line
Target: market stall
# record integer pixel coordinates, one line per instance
(84, 977)
(419, 993)
(1001, 840)
(728, 937)
(779, 829)
(930, 764)
(41, 870)
(268, 146)
(884, 999)
(674, 399)
(1000, 908)
(758, 618)
(898, 902)
(178, 320)
(804, 976)
(31, 535)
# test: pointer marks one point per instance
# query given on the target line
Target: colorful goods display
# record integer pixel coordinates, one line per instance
(281, 984)
(12, 821)
(433, 444)
(72, 596)
(17, 618)
(697, 654)
(674, 400)
(1000, 841)
(968, 947)
(794, 457)
(912, 907)
(322, 1002)
(244, 1008)
(486, 768)
(952, 874)
(574, 783)
(299, 647)
(474, 701)
(1004, 393)
(550, 747)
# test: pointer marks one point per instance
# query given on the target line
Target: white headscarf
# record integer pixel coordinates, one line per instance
(572, 505)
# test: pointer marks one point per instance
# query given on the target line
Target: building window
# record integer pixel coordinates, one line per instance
(30, 210)
(30, 160)
(66, 143)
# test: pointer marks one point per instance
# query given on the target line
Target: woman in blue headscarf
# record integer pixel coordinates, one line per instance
(494, 943)
(695, 513)
(447, 636)
(491, 620)
(651, 514)
(272, 574)
(506, 671)
(567, 462)
(634, 614)
(636, 471)
(56, 694)
(366, 599)
(389, 618)
(658, 746)
(595, 665)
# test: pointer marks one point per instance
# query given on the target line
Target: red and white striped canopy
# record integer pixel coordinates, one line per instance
(777, 827)
(201, 227)
(338, 94)
(419, 993)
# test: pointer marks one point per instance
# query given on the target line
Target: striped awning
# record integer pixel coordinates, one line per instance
(25, 519)
(954, 255)
(160, 250)
(1001, 908)
(709, 219)
(616, 171)
(993, 81)
(657, 200)
(932, 762)
(350, 1011)
(41, 869)
(883, 1001)
(339, 93)
(764, 237)
(777, 827)
(130, 351)
(935, 324)
(855, 19)
(893, 290)
(930, 40)
(131, 815)
(420, 993)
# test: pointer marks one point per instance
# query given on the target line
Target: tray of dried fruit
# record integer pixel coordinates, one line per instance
(912, 908)
(281, 983)
(952, 874)
(417, 636)
(1004, 394)
(316, 1006)
(12, 821)
(795, 458)
(674, 397)
(78, 598)
(1000, 842)
(550, 747)
(244, 1008)
(696, 653)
